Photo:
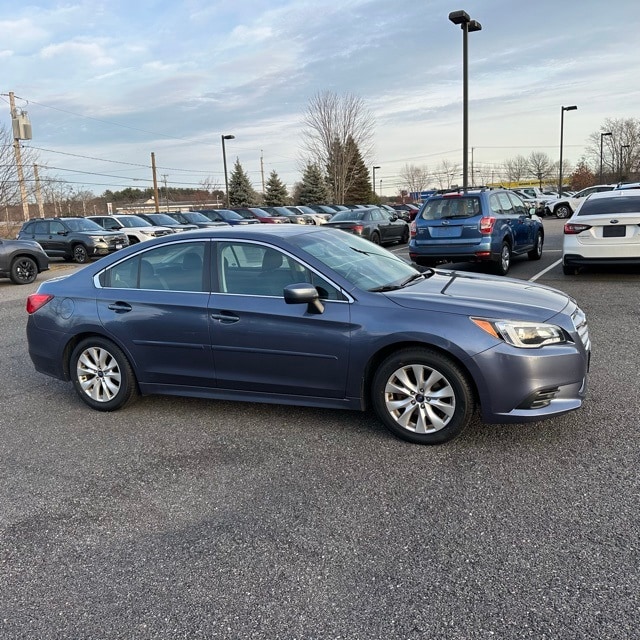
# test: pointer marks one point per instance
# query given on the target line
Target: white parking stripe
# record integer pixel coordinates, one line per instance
(541, 273)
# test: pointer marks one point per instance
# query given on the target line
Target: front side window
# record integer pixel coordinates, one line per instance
(253, 269)
(505, 204)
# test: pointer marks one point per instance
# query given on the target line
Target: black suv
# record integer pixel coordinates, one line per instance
(21, 260)
(71, 238)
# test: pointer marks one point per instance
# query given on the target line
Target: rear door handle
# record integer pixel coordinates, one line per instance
(120, 307)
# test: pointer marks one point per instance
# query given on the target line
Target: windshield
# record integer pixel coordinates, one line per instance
(133, 221)
(194, 216)
(362, 263)
(162, 219)
(450, 207)
(82, 224)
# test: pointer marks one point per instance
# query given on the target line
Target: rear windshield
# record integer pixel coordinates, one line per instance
(599, 206)
(451, 207)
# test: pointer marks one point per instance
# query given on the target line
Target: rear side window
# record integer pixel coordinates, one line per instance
(505, 204)
(604, 206)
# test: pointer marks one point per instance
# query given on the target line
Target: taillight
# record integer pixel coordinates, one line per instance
(571, 229)
(358, 228)
(486, 224)
(36, 301)
(412, 229)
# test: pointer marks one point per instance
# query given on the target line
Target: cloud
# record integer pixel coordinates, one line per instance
(91, 52)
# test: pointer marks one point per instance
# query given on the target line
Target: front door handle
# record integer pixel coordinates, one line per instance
(225, 318)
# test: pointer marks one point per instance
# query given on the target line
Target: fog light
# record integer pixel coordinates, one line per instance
(539, 399)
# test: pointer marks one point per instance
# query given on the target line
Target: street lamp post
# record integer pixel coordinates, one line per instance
(562, 110)
(602, 135)
(468, 26)
(224, 161)
(374, 179)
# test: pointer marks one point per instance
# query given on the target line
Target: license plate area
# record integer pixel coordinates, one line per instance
(445, 232)
(614, 231)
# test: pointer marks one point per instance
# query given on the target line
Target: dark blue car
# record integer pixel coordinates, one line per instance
(488, 226)
(303, 314)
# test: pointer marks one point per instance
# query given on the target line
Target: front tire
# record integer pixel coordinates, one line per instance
(80, 254)
(24, 270)
(422, 396)
(102, 375)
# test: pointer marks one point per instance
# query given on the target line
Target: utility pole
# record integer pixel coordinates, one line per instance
(262, 169)
(166, 190)
(155, 183)
(17, 136)
(38, 191)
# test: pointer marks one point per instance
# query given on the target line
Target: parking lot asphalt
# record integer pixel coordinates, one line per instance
(183, 518)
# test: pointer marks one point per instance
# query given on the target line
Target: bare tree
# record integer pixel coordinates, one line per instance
(447, 174)
(515, 169)
(337, 129)
(540, 166)
(620, 150)
(414, 178)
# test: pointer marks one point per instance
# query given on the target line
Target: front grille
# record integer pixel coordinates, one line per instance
(162, 232)
(580, 323)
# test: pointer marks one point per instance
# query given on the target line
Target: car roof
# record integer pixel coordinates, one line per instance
(616, 193)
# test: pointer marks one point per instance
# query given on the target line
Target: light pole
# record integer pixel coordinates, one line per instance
(602, 135)
(468, 26)
(224, 161)
(562, 110)
(374, 179)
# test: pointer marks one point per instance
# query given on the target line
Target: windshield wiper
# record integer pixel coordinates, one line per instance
(404, 283)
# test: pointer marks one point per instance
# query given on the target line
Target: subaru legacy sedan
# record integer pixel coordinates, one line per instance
(309, 315)
(488, 226)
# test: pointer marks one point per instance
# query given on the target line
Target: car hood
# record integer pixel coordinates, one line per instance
(492, 296)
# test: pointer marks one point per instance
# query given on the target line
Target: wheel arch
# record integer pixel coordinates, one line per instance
(78, 338)
(379, 356)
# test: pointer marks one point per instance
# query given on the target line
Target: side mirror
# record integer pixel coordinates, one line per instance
(303, 293)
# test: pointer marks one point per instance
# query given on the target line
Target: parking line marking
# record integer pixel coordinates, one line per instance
(541, 273)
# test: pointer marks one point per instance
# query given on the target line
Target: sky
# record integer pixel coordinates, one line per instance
(106, 83)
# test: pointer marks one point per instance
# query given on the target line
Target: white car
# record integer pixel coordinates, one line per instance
(565, 206)
(135, 228)
(605, 229)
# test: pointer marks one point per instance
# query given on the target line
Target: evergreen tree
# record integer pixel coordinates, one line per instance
(313, 189)
(358, 182)
(241, 192)
(275, 194)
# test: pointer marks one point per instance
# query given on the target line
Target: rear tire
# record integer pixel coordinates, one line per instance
(405, 236)
(536, 252)
(563, 211)
(501, 266)
(102, 375)
(422, 396)
(569, 270)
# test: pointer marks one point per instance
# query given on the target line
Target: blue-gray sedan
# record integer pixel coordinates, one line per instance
(312, 316)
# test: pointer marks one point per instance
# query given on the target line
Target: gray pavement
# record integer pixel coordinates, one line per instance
(181, 518)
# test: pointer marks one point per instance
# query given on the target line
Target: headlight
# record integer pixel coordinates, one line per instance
(147, 233)
(526, 335)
